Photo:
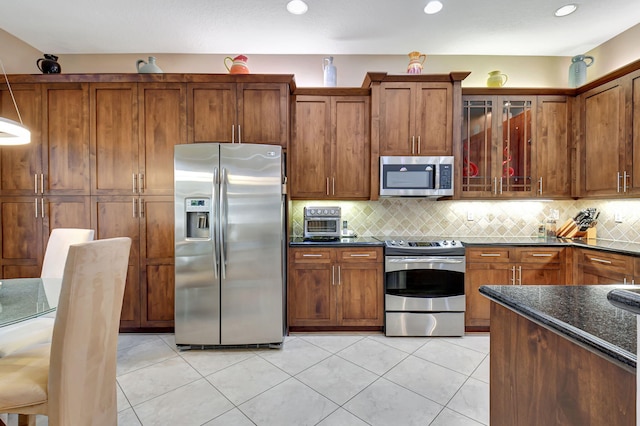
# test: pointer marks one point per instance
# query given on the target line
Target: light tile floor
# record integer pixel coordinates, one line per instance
(314, 379)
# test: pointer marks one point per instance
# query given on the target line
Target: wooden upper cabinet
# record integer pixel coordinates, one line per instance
(239, 112)
(635, 131)
(114, 137)
(20, 166)
(211, 112)
(552, 153)
(162, 125)
(330, 148)
(416, 118)
(263, 113)
(604, 171)
(65, 139)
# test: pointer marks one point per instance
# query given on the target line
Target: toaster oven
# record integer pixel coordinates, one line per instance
(322, 223)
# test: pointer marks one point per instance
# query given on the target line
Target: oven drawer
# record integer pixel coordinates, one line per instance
(401, 303)
(424, 324)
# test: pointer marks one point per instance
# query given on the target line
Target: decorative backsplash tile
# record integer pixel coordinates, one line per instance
(455, 219)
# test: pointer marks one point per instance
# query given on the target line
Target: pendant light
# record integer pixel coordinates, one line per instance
(12, 132)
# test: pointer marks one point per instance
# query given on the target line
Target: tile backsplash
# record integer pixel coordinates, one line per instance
(619, 219)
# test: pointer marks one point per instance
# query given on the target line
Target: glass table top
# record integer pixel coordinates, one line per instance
(25, 298)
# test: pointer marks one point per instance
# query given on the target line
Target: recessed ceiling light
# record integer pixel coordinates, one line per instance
(434, 6)
(297, 7)
(565, 10)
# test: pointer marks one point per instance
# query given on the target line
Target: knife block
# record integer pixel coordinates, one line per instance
(570, 229)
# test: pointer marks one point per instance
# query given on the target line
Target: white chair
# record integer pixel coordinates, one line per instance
(39, 330)
(72, 380)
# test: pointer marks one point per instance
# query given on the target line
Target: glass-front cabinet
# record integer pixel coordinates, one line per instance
(497, 136)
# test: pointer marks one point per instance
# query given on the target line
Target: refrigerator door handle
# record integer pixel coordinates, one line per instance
(216, 221)
(223, 222)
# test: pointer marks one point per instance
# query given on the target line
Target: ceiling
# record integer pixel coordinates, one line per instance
(463, 27)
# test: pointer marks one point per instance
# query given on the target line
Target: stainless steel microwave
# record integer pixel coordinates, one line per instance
(416, 176)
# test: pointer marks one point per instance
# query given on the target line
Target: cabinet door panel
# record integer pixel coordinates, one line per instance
(477, 312)
(396, 119)
(117, 217)
(114, 137)
(635, 93)
(311, 146)
(66, 138)
(529, 274)
(361, 296)
(604, 140)
(158, 293)
(21, 234)
(20, 164)
(515, 147)
(212, 112)
(477, 142)
(434, 115)
(350, 153)
(67, 212)
(263, 113)
(553, 161)
(311, 299)
(162, 126)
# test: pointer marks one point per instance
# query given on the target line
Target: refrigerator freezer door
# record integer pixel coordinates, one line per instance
(252, 286)
(197, 297)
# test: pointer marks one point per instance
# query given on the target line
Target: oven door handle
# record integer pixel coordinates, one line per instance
(426, 260)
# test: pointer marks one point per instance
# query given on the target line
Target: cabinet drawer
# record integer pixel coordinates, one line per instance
(310, 255)
(360, 255)
(610, 261)
(475, 255)
(540, 255)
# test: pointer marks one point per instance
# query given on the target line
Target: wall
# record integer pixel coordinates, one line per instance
(523, 71)
(422, 217)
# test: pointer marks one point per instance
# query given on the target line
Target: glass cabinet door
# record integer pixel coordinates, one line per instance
(515, 146)
(477, 175)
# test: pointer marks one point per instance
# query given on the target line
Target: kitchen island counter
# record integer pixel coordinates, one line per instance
(561, 355)
(621, 247)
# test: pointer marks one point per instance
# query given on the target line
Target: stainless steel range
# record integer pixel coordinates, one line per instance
(424, 288)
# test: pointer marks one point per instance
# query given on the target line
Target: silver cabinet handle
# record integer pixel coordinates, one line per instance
(36, 209)
(339, 276)
(333, 186)
(42, 207)
(141, 183)
(413, 144)
(233, 133)
(418, 145)
(519, 275)
(495, 185)
(513, 275)
(618, 182)
(141, 207)
(501, 185)
(490, 254)
(133, 182)
(35, 183)
(327, 185)
(333, 275)
(42, 183)
(239, 134)
(359, 255)
(540, 186)
(133, 206)
(311, 255)
(624, 181)
(595, 259)
(542, 254)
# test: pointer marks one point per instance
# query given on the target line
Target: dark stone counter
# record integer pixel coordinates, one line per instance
(342, 242)
(580, 313)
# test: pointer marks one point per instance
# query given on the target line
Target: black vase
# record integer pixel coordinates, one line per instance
(49, 64)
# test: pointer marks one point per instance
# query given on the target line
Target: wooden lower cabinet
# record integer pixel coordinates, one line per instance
(507, 266)
(595, 267)
(333, 288)
(148, 221)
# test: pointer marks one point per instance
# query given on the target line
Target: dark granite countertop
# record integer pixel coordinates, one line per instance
(343, 242)
(581, 313)
(627, 298)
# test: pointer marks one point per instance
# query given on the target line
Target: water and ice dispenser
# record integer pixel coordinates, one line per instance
(198, 220)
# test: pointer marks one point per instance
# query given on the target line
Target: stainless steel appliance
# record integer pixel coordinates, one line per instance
(424, 288)
(416, 176)
(322, 223)
(229, 245)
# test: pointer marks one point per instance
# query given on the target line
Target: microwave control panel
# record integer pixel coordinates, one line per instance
(446, 176)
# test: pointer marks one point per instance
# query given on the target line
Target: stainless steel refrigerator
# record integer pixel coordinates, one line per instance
(229, 244)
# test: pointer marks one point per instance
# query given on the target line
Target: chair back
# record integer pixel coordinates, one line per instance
(82, 372)
(57, 248)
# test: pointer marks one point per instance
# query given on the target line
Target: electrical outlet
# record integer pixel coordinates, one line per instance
(617, 216)
(470, 215)
(555, 214)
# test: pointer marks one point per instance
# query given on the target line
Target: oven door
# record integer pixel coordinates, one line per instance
(424, 283)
